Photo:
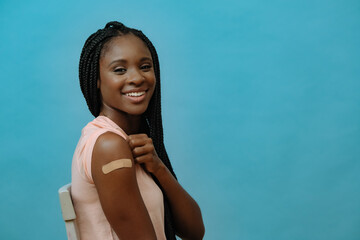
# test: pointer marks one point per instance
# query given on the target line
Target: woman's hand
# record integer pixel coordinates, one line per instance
(144, 152)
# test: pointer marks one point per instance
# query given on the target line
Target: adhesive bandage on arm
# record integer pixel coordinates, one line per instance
(116, 164)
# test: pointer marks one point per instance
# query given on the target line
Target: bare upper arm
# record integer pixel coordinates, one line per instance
(118, 191)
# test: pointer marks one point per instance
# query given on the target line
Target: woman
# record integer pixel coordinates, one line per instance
(123, 185)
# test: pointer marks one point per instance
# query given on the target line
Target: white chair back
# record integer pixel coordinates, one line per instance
(68, 212)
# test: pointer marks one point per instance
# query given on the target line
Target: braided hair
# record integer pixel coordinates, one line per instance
(89, 74)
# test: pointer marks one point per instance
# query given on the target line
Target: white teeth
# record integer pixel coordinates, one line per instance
(135, 94)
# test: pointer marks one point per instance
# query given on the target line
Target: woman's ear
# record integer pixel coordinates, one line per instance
(98, 84)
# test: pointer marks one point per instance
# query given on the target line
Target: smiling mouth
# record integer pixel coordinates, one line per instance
(135, 94)
(135, 97)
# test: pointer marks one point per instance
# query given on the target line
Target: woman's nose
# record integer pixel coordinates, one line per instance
(136, 77)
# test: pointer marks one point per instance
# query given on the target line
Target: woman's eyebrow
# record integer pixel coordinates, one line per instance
(123, 61)
(118, 61)
(145, 59)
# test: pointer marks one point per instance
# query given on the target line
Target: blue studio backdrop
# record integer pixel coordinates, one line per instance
(260, 100)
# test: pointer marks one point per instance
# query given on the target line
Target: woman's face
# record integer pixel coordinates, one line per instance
(127, 78)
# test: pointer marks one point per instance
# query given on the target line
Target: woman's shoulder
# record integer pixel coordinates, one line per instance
(101, 138)
(108, 147)
(110, 143)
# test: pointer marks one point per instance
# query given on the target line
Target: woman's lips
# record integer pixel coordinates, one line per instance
(135, 97)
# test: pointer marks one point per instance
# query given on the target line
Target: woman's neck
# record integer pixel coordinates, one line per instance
(131, 124)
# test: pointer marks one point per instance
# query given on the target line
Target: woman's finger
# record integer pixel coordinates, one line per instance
(138, 136)
(138, 141)
(147, 148)
(144, 158)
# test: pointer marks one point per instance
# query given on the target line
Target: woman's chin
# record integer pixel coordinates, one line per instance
(136, 111)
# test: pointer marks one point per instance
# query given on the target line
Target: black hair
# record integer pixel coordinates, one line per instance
(89, 75)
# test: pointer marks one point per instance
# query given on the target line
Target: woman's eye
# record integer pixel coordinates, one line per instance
(147, 66)
(119, 70)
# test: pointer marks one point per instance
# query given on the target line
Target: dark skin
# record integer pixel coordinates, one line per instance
(126, 66)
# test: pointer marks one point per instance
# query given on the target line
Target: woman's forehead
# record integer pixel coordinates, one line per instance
(124, 47)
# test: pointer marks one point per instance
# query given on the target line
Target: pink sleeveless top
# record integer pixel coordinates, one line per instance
(91, 220)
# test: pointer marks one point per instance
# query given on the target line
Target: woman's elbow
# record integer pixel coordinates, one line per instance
(202, 231)
(199, 233)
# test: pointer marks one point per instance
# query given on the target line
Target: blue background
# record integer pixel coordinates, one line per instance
(261, 111)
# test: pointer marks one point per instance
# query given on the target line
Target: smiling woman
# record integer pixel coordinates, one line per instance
(127, 76)
(123, 184)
